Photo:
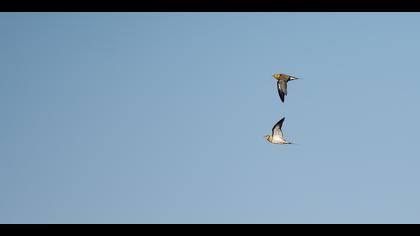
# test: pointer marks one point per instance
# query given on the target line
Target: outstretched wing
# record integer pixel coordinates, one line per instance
(277, 128)
(282, 88)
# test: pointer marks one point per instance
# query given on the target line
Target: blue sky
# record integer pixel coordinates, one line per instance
(160, 118)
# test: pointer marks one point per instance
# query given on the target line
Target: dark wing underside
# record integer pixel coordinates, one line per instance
(282, 89)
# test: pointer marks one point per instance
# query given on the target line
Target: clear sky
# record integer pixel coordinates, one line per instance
(160, 118)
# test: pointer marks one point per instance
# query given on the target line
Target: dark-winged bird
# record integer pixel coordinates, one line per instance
(282, 80)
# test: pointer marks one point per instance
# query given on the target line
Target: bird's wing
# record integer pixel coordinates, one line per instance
(277, 128)
(282, 89)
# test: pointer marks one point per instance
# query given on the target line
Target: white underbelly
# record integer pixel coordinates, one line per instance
(277, 140)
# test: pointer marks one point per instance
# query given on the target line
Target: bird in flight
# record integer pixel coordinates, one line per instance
(282, 80)
(276, 136)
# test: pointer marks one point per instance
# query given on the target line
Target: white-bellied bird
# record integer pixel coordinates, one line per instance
(276, 136)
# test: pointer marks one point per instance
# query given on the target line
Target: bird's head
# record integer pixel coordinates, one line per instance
(267, 137)
(277, 76)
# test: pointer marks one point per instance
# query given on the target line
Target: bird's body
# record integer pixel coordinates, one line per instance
(276, 136)
(282, 80)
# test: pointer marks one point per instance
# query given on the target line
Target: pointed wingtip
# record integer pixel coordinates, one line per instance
(282, 120)
(282, 97)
